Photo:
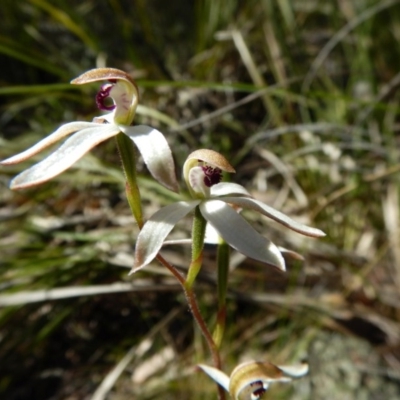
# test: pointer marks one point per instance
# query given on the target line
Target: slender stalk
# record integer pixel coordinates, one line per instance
(195, 310)
(198, 233)
(223, 256)
(128, 159)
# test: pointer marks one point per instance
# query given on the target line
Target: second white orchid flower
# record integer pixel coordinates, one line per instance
(202, 173)
(122, 90)
(250, 380)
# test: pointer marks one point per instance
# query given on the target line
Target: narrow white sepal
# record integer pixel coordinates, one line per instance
(228, 188)
(256, 205)
(220, 377)
(295, 371)
(291, 253)
(156, 153)
(54, 137)
(74, 148)
(239, 234)
(211, 235)
(156, 229)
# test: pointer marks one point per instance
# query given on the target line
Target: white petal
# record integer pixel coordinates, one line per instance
(57, 135)
(291, 253)
(212, 236)
(220, 377)
(294, 371)
(253, 204)
(71, 151)
(156, 153)
(239, 234)
(196, 180)
(109, 117)
(228, 188)
(156, 229)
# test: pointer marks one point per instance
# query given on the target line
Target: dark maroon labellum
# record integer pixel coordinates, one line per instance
(101, 97)
(212, 176)
(259, 391)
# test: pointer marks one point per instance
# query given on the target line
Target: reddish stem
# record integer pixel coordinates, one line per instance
(194, 308)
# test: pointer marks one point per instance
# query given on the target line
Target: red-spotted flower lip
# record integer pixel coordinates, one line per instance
(212, 175)
(203, 170)
(102, 95)
(120, 87)
(258, 388)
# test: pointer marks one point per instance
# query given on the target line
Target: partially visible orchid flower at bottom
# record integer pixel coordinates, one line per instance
(217, 202)
(83, 136)
(250, 380)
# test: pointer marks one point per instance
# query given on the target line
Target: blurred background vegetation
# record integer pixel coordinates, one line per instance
(302, 97)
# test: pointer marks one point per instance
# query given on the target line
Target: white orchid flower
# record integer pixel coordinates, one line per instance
(250, 380)
(216, 201)
(85, 135)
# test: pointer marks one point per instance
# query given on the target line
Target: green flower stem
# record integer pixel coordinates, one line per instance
(195, 310)
(128, 159)
(219, 330)
(223, 257)
(198, 233)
